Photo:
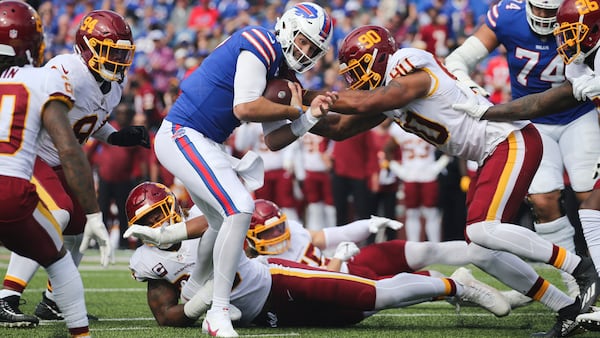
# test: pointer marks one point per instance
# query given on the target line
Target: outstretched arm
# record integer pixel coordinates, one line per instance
(551, 101)
(401, 91)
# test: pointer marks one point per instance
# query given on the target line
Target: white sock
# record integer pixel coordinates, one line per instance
(20, 269)
(433, 224)
(591, 231)
(330, 215)
(226, 256)
(68, 291)
(412, 225)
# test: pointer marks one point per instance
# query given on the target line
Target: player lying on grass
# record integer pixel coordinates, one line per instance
(269, 291)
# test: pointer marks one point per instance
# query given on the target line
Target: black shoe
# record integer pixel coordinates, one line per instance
(589, 285)
(11, 316)
(566, 324)
(47, 309)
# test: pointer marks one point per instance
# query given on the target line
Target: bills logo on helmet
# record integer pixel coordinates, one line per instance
(308, 11)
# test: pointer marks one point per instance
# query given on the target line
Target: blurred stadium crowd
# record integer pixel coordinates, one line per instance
(173, 37)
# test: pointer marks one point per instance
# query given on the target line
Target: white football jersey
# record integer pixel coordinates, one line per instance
(301, 249)
(149, 262)
(418, 156)
(25, 91)
(433, 119)
(91, 110)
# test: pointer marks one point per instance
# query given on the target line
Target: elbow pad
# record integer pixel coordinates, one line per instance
(464, 58)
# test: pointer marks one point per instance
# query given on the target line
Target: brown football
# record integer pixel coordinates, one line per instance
(277, 90)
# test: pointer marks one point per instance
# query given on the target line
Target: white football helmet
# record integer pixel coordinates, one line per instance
(310, 20)
(539, 24)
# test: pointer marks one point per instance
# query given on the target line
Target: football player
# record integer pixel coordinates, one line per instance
(578, 38)
(524, 28)
(412, 87)
(34, 101)
(225, 90)
(273, 292)
(103, 52)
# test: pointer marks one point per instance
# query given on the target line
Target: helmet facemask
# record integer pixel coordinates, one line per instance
(539, 24)
(359, 74)
(110, 59)
(271, 238)
(143, 208)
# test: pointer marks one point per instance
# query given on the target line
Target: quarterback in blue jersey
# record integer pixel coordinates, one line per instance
(225, 90)
(524, 28)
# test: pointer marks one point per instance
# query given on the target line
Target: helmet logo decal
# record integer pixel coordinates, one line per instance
(586, 6)
(89, 24)
(306, 11)
(369, 39)
(13, 33)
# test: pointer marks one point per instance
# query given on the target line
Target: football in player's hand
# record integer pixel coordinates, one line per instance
(277, 90)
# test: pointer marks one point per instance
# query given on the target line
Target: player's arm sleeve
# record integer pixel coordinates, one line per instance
(104, 132)
(250, 78)
(464, 58)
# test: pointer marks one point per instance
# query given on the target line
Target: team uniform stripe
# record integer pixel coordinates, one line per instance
(326, 29)
(266, 42)
(258, 47)
(492, 15)
(559, 258)
(435, 79)
(302, 273)
(537, 295)
(450, 286)
(506, 180)
(12, 280)
(44, 195)
(42, 209)
(192, 155)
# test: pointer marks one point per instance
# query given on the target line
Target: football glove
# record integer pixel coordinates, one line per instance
(345, 251)
(165, 235)
(376, 222)
(585, 86)
(95, 229)
(471, 106)
(130, 136)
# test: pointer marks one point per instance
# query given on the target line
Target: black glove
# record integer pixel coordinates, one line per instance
(130, 136)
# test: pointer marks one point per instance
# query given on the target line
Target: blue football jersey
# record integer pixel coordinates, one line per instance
(534, 64)
(206, 100)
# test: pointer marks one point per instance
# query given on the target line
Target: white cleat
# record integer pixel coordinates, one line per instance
(217, 323)
(480, 293)
(516, 299)
(590, 321)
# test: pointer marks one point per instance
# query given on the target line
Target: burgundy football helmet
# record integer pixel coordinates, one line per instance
(578, 30)
(105, 43)
(268, 233)
(152, 204)
(364, 55)
(21, 33)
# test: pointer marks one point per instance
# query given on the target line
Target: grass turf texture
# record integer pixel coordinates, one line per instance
(120, 303)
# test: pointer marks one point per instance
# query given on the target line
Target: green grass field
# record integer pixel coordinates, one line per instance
(120, 303)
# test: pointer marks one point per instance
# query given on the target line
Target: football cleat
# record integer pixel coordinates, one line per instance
(480, 293)
(47, 309)
(589, 285)
(591, 320)
(11, 316)
(516, 299)
(217, 323)
(566, 324)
